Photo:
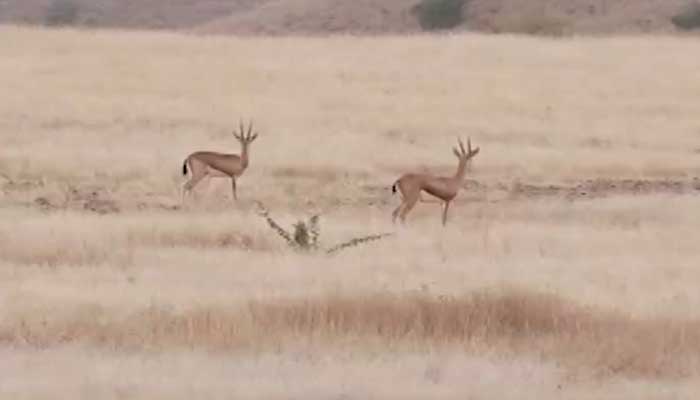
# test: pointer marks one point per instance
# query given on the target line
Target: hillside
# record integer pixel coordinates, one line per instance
(245, 17)
(320, 16)
(579, 16)
(143, 14)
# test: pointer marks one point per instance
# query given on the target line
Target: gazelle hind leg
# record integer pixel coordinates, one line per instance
(409, 202)
(397, 188)
(190, 184)
(396, 212)
(183, 192)
(185, 169)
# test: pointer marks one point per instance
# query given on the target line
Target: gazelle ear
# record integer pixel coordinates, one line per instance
(454, 150)
(239, 135)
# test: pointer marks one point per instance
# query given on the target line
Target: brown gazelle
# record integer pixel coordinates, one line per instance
(444, 188)
(210, 164)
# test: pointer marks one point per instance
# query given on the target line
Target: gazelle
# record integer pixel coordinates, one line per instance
(444, 188)
(210, 164)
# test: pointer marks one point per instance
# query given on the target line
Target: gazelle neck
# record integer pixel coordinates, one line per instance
(461, 169)
(244, 155)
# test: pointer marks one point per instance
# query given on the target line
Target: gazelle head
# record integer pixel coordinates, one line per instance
(246, 138)
(465, 155)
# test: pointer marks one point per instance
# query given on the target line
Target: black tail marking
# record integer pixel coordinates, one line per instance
(393, 187)
(184, 168)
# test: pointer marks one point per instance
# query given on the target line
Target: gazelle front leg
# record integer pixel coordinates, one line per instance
(233, 188)
(445, 207)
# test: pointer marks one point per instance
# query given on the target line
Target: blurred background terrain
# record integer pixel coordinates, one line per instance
(361, 16)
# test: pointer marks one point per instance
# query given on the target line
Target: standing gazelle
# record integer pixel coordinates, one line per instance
(210, 164)
(444, 188)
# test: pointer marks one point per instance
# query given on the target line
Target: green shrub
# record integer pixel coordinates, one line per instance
(62, 12)
(688, 19)
(439, 14)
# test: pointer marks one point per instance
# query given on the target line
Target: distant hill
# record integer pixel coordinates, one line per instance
(142, 14)
(279, 17)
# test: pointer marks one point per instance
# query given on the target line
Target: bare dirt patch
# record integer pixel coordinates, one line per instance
(598, 188)
(93, 199)
(100, 200)
(589, 189)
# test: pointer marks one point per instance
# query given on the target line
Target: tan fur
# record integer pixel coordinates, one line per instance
(208, 164)
(444, 188)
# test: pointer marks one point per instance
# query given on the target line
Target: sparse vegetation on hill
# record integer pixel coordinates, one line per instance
(689, 18)
(439, 14)
(538, 25)
(317, 17)
(62, 12)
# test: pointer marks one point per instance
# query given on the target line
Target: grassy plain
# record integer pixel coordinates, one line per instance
(568, 268)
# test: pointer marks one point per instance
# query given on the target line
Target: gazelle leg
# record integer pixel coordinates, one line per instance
(233, 188)
(183, 192)
(407, 206)
(396, 213)
(445, 207)
(189, 185)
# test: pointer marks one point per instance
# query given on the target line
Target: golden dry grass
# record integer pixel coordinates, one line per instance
(583, 289)
(586, 341)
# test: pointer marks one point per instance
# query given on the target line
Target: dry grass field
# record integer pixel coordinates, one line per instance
(568, 268)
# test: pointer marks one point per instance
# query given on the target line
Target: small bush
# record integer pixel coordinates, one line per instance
(306, 234)
(688, 19)
(62, 12)
(439, 14)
